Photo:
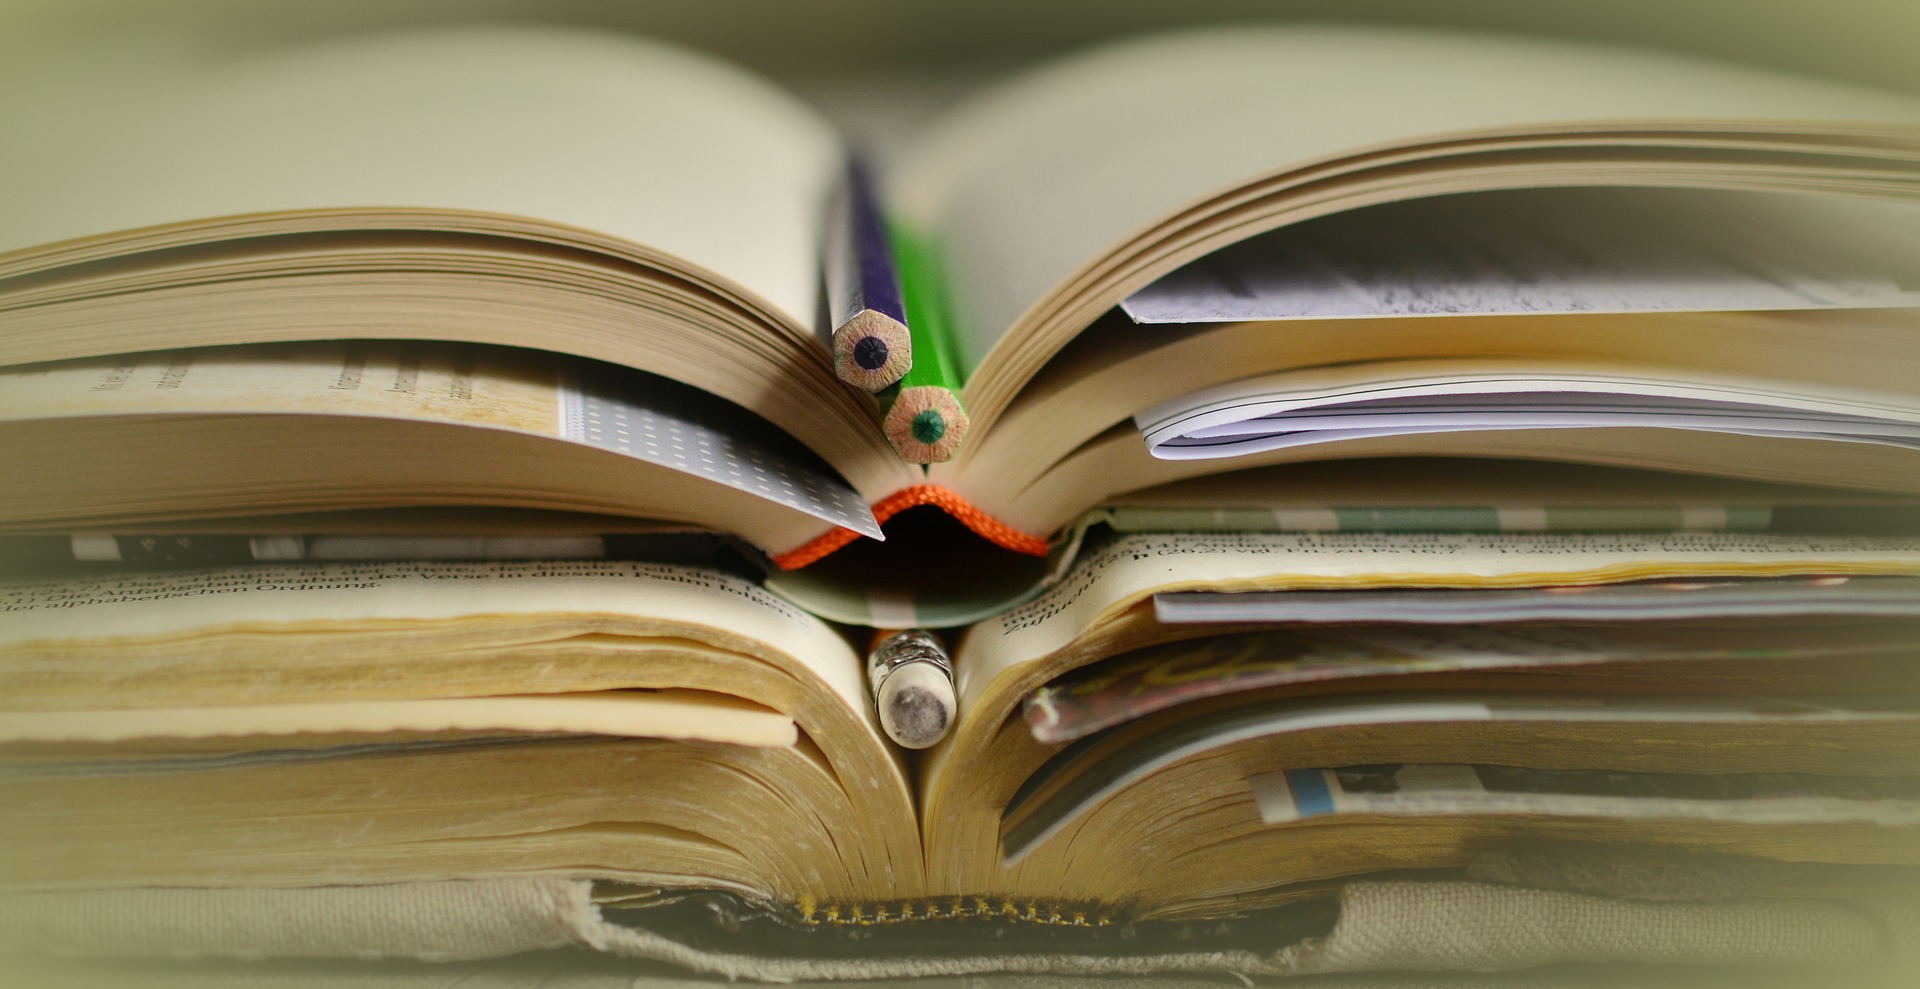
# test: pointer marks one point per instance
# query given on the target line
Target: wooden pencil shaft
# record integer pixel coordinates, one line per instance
(872, 347)
(935, 363)
(925, 421)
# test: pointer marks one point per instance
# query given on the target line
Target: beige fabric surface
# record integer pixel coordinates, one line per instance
(1479, 927)
(427, 921)
(585, 970)
(1455, 926)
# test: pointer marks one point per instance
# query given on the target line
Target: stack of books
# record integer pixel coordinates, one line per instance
(1266, 501)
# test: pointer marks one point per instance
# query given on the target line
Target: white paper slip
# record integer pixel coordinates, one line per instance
(1558, 251)
(1783, 598)
(1404, 398)
(1429, 790)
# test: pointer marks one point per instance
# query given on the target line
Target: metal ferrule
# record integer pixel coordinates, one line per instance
(901, 648)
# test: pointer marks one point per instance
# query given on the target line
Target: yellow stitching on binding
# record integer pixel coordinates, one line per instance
(810, 912)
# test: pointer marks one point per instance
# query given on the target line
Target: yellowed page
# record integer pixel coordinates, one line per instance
(1042, 177)
(496, 388)
(560, 623)
(438, 382)
(312, 600)
(626, 138)
(665, 714)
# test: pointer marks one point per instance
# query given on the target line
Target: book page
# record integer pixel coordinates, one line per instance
(293, 600)
(630, 139)
(1404, 398)
(678, 714)
(1558, 251)
(1051, 171)
(1130, 569)
(629, 413)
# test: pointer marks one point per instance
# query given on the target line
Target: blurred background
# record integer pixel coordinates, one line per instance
(879, 67)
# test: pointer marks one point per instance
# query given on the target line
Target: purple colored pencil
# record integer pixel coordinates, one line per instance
(867, 329)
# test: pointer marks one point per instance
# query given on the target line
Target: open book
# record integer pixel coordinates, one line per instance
(1715, 258)
(1228, 313)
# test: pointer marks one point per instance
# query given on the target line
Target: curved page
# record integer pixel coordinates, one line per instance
(645, 418)
(1291, 409)
(672, 714)
(626, 138)
(1053, 177)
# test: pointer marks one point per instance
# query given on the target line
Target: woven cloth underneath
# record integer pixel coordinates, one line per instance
(1382, 927)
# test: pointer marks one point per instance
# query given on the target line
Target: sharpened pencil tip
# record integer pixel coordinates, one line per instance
(871, 350)
(925, 424)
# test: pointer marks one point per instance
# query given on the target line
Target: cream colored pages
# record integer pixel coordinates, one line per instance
(1039, 179)
(423, 631)
(675, 714)
(629, 139)
(306, 600)
(643, 418)
(437, 382)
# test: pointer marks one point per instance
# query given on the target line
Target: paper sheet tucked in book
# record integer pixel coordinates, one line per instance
(1299, 408)
(1580, 250)
(681, 714)
(1801, 598)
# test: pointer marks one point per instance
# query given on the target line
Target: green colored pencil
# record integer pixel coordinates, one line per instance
(924, 419)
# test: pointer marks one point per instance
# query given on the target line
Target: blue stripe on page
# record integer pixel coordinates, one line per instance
(1311, 798)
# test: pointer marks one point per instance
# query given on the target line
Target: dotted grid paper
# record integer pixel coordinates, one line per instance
(676, 434)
